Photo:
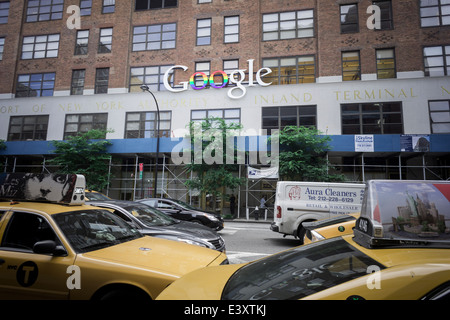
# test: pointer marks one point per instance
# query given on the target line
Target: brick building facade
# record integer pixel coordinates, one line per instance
(330, 69)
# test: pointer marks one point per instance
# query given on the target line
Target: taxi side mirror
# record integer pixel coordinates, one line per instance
(49, 247)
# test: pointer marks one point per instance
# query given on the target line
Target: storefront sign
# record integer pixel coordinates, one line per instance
(364, 143)
(415, 143)
(239, 74)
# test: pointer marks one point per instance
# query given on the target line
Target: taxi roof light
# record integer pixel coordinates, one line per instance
(54, 187)
(405, 213)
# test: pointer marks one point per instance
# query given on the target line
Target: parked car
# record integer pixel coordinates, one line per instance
(299, 202)
(152, 222)
(53, 246)
(399, 250)
(183, 211)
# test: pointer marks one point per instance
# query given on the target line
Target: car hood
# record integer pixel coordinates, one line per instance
(165, 256)
(182, 229)
(202, 284)
(194, 229)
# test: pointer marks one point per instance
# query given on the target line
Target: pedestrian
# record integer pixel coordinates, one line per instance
(262, 207)
(232, 205)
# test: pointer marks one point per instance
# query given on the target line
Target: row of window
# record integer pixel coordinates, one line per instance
(362, 118)
(287, 70)
(43, 84)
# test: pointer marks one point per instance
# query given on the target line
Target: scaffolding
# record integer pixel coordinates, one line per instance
(132, 176)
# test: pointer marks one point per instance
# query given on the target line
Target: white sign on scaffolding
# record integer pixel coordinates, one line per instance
(264, 173)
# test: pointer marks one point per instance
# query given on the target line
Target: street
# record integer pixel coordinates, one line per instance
(248, 241)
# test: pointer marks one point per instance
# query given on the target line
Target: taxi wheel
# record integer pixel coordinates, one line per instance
(121, 293)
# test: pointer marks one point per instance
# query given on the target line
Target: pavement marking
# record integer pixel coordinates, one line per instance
(227, 231)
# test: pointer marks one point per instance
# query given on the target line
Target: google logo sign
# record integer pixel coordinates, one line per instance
(236, 77)
(211, 80)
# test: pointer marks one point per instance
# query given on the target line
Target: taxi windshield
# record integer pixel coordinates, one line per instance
(300, 272)
(149, 216)
(89, 230)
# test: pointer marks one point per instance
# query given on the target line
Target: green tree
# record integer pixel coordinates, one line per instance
(303, 155)
(209, 158)
(85, 154)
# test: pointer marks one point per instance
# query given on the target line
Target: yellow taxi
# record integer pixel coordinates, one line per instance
(329, 228)
(400, 249)
(52, 246)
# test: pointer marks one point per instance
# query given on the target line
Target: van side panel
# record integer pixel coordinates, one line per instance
(297, 202)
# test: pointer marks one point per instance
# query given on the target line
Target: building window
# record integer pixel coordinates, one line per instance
(387, 20)
(28, 128)
(81, 123)
(101, 80)
(231, 32)
(81, 45)
(204, 1)
(228, 115)
(35, 85)
(437, 61)
(39, 47)
(155, 4)
(349, 18)
(440, 116)
(144, 124)
(434, 13)
(77, 85)
(386, 64)
(2, 47)
(109, 6)
(228, 67)
(291, 70)
(372, 118)
(85, 7)
(276, 118)
(351, 66)
(203, 67)
(203, 32)
(44, 10)
(288, 25)
(4, 12)
(154, 37)
(105, 40)
(151, 76)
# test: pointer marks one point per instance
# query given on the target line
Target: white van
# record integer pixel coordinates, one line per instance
(297, 202)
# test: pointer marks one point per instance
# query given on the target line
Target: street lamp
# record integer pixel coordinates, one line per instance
(144, 88)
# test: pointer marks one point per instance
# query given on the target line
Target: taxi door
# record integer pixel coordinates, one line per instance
(23, 273)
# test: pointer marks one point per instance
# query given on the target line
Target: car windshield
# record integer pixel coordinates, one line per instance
(89, 230)
(300, 272)
(150, 216)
